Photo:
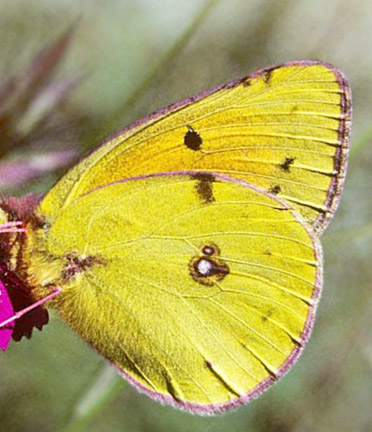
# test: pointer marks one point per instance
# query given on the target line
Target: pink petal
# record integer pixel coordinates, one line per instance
(6, 311)
(19, 172)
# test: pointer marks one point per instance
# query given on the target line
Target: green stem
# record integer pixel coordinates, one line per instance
(99, 394)
(177, 46)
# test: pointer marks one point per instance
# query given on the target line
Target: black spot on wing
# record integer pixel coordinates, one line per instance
(267, 315)
(285, 166)
(275, 189)
(246, 82)
(75, 264)
(204, 187)
(208, 268)
(172, 390)
(192, 139)
(268, 73)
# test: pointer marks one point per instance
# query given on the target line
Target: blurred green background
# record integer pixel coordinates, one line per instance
(125, 59)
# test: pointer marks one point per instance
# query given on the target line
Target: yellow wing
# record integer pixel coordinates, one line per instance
(284, 129)
(199, 289)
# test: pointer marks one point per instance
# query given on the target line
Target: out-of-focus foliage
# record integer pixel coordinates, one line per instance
(29, 103)
(47, 383)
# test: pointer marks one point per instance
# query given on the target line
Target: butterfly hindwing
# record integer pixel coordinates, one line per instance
(201, 290)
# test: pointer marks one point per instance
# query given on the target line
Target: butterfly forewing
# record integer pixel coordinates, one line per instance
(284, 129)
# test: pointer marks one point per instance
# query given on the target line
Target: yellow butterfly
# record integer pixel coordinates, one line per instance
(185, 249)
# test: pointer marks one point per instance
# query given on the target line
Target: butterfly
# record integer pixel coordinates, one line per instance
(185, 249)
